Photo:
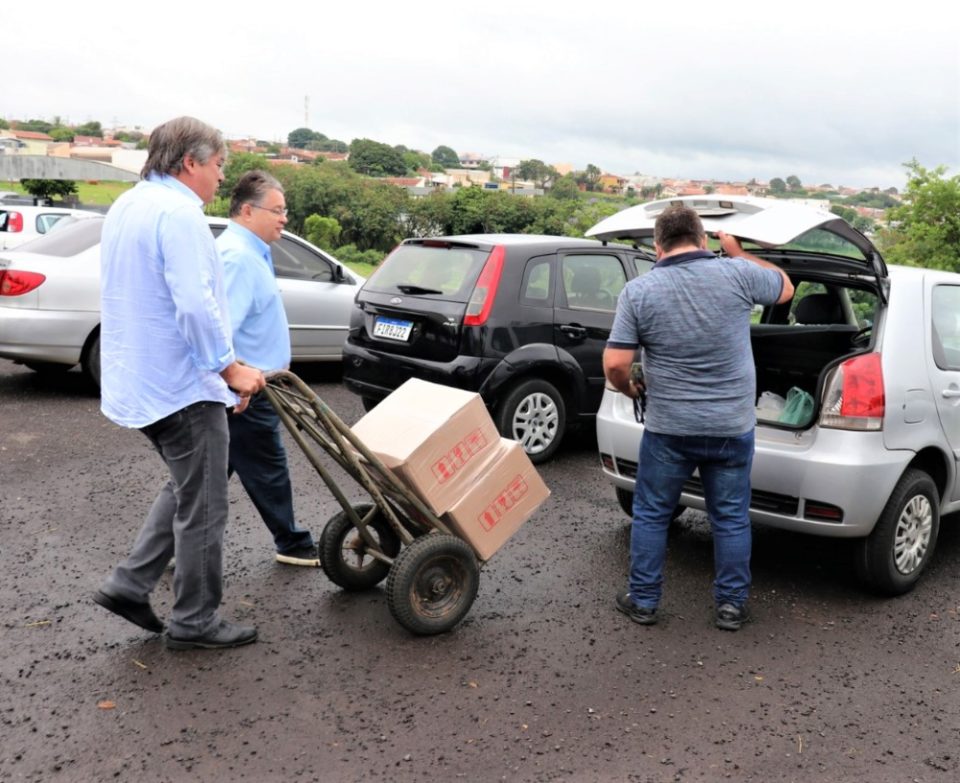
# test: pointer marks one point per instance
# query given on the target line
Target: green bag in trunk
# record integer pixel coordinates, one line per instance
(799, 408)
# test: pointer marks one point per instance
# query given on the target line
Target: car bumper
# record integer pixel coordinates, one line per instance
(374, 374)
(797, 477)
(44, 335)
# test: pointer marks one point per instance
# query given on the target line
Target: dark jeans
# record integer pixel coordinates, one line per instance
(257, 456)
(666, 462)
(186, 521)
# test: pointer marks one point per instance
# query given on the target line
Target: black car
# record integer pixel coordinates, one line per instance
(520, 319)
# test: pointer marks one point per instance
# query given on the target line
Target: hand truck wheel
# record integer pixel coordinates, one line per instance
(345, 556)
(432, 583)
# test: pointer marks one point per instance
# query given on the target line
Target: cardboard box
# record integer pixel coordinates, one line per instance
(434, 438)
(504, 496)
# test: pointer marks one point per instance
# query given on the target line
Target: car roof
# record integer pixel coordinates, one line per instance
(489, 240)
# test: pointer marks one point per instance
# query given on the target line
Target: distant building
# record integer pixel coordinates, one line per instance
(471, 160)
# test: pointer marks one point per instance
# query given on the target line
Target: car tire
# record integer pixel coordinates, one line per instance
(534, 414)
(91, 361)
(625, 499)
(892, 558)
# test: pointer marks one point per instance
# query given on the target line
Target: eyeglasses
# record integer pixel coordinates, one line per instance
(278, 211)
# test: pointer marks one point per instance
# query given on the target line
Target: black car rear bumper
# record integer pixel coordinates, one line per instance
(374, 375)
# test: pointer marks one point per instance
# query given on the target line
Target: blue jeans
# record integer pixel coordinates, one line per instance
(666, 462)
(257, 456)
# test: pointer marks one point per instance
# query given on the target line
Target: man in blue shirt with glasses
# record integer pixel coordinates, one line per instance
(169, 370)
(261, 339)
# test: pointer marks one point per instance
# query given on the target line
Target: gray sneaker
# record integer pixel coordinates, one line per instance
(730, 617)
(643, 615)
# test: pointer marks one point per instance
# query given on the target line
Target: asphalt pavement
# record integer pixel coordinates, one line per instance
(543, 681)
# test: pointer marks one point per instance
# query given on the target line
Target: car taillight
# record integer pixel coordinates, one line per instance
(13, 282)
(853, 397)
(14, 222)
(485, 291)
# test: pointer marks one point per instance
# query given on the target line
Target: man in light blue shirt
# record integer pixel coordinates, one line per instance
(261, 339)
(169, 370)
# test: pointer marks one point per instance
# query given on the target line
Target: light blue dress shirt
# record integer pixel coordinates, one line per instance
(261, 336)
(164, 320)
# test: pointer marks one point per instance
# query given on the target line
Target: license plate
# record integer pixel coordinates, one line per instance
(392, 329)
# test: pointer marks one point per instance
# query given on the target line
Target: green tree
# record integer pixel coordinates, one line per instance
(88, 129)
(430, 216)
(445, 157)
(133, 137)
(50, 188)
(324, 232)
(924, 230)
(793, 182)
(536, 171)
(376, 159)
(565, 187)
(238, 164)
(413, 160)
(589, 177)
(37, 126)
(61, 134)
(4, 125)
(299, 138)
(777, 185)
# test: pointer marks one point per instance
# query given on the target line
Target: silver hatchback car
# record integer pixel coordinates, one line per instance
(873, 356)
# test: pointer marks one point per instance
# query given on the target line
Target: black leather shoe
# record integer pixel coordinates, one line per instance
(639, 614)
(137, 613)
(730, 617)
(223, 636)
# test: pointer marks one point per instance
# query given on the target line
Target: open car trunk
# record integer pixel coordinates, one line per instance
(792, 356)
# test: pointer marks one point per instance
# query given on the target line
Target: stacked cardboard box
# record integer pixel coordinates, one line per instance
(442, 443)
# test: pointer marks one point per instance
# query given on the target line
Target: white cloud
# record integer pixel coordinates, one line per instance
(831, 92)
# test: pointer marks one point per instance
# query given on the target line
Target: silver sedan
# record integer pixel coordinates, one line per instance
(50, 298)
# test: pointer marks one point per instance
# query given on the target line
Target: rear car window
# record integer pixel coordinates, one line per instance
(47, 221)
(818, 240)
(70, 238)
(444, 271)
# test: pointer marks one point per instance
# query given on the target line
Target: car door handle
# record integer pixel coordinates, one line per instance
(950, 393)
(576, 332)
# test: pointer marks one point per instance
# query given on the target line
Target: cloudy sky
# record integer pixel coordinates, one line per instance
(832, 92)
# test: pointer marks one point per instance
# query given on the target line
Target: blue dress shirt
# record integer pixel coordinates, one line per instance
(261, 335)
(164, 320)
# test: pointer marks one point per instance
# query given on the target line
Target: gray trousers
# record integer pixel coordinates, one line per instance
(186, 521)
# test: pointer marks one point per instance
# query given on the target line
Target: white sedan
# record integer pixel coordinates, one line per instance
(21, 223)
(50, 298)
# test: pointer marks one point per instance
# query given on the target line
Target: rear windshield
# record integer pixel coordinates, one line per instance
(818, 240)
(446, 272)
(73, 235)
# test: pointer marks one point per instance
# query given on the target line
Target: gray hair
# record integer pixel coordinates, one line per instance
(177, 139)
(251, 188)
